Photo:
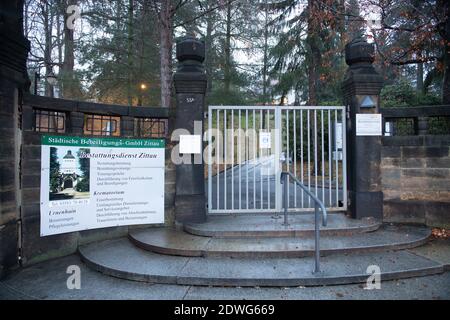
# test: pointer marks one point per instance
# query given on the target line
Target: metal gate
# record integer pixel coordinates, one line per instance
(249, 147)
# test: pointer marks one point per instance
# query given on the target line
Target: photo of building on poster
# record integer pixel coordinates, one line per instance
(69, 173)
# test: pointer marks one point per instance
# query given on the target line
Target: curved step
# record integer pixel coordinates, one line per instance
(264, 226)
(172, 242)
(119, 258)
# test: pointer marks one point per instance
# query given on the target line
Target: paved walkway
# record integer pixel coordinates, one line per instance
(48, 281)
(252, 185)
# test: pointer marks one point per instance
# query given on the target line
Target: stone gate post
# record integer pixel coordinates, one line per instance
(362, 86)
(190, 84)
(14, 49)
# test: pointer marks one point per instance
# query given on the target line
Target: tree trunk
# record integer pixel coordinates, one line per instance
(266, 54)
(446, 78)
(69, 57)
(48, 26)
(314, 54)
(59, 32)
(208, 46)
(227, 49)
(130, 53)
(313, 59)
(446, 35)
(166, 53)
(343, 38)
(143, 18)
(419, 85)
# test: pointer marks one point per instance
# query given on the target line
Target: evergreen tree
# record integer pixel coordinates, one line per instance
(55, 180)
(83, 183)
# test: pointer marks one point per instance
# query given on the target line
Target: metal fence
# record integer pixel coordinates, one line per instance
(250, 146)
(50, 115)
(412, 121)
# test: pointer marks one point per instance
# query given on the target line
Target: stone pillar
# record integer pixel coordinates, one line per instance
(127, 126)
(76, 123)
(13, 82)
(422, 126)
(362, 86)
(190, 85)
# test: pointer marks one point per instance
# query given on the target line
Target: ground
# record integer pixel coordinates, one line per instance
(48, 281)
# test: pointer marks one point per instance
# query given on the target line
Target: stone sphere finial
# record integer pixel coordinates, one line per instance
(359, 51)
(190, 48)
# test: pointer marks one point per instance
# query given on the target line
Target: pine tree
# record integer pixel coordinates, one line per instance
(55, 180)
(84, 163)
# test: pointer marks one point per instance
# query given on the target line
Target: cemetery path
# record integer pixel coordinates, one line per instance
(252, 185)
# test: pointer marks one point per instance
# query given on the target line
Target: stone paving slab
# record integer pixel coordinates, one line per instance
(172, 242)
(437, 250)
(163, 240)
(424, 288)
(121, 259)
(47, 281)
(264, 225)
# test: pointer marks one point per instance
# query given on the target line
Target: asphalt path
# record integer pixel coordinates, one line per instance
(251, 186)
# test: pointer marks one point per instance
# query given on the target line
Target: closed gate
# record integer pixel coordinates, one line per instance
(249, 147)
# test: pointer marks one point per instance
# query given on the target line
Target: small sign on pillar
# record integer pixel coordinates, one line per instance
(190, 144)
(369, 125)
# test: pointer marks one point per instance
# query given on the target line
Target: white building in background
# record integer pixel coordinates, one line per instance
(68, 171)
(68, 163)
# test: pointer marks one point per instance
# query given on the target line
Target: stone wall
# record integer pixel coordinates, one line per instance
(9, 209)
(13, 81)
(416, 179)
(35, 248)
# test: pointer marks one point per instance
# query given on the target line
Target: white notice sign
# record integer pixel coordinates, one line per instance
(369, 125)
(338, 136)
(190, 144)
(265, 140)
(90, 183)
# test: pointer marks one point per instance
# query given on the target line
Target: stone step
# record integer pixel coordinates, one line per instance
(240, 226)
(173, 242)
(120, 258)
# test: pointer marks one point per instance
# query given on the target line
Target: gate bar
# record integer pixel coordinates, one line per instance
(272, 160)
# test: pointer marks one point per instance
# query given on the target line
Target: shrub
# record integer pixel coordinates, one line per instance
(402, 94)
(83, 185)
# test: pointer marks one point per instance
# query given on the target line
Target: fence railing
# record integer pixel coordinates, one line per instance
(317, 204)
(51, 115)
(411, 121)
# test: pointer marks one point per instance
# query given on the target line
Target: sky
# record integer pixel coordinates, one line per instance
(62, 151)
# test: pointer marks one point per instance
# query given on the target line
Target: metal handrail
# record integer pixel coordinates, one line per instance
(318, 203)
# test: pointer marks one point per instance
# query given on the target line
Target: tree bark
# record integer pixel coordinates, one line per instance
(166, 53)
(130, 52)
(68, 84)
(208, 45)
(314, 53)
(227, 49)
(266, 53)
(445, 7)
(419, 85)
(48, 26)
